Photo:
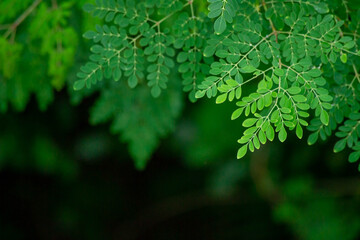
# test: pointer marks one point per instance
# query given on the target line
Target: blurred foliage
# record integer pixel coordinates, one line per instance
(64, 178)
(139, 118)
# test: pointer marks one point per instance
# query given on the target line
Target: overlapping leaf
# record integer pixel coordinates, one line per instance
(285, 61)
(133, 44)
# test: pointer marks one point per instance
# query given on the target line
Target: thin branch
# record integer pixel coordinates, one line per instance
(271, 23)
(22, 18)
(54, 4)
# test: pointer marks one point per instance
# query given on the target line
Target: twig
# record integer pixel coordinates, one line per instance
(54, 4)
(271, 23)
(22, 17)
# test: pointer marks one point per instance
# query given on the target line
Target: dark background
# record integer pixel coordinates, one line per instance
(63, 179)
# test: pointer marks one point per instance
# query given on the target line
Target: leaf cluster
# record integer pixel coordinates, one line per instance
(37, 50)
(285, 63)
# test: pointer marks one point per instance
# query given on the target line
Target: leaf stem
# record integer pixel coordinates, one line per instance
(271, 23)
(168, 16)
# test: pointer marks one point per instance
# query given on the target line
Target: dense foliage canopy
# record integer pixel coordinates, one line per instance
(301, 55)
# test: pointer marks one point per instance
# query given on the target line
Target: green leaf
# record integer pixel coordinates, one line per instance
(340, 145)
(256, 142)
(343, 57)
(221, 98)
(282, 134)
(279, 72)
(220, 25)
(224, 11)
(155, 91)
(89, 34)
(132, 81)
(117, 74)
(200, 94)
(248, 69)
(315, 72)
(237, 113)
(313, 138)
(321, 7)
(79, 84)
(354, 156)
(324, 117)
(88, 7)
(242, 151)
(299, 131)
(285, 110)
(350, 45)
(262, 137)
(270, 133)
(299, 98)
(249, 122)
(238, 93)
(294, 90)
(182, 57)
